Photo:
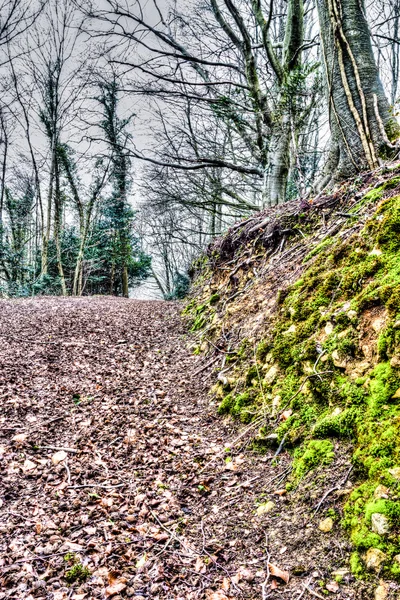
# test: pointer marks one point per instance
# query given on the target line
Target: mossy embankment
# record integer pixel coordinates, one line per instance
(303, 304)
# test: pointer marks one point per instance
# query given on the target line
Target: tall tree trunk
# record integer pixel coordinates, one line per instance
(3, 140)
(395, 52)
(57, 224)
(361, 124)
(125, 282)
(47, 230)
(278, 164)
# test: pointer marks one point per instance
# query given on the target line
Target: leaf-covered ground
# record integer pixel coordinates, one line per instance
(118, 479)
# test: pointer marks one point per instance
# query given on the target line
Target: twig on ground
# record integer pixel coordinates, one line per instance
(336, 487)
(73, 450)
(266, 580)
(68, 473)
(304, 589)
(99, 485)
(203, 368)
(311, 591)
(304, 382)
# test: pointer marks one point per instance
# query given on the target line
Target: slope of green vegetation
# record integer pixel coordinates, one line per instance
(328, 370)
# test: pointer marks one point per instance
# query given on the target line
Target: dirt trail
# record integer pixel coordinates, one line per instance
(114, 468)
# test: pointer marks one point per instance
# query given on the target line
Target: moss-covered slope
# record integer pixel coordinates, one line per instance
(304, 306)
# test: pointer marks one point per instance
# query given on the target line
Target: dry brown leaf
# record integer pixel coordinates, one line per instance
(225, 584)
(28, 466)
(38, 527)
(218, 595)
(200, 567)
(236, 578)
(286, 414)
(114, 589)
(246, 574)
(277, 572)
(73, 547)
(59, 457)
(332, 586)
(19, 438)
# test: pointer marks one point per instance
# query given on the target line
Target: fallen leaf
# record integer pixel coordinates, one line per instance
(90, 530)
(58, 457)
(28, 465)
(265, 508)
(20, 438)
(225, 584)
(286, 414)
(73, 547)
(247, 575)
(277, 572)
(200, 567)
(274, 585)
(236, 578)
(332, 586)
(218, 595)
(141, 562)
(115, 589)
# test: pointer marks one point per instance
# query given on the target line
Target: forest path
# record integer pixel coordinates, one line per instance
(113, 460)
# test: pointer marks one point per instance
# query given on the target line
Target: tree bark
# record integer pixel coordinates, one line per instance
(58, 224)
(278, 164)
(125, 282)
(362, 127)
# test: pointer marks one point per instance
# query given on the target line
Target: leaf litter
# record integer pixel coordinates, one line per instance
(114, 478)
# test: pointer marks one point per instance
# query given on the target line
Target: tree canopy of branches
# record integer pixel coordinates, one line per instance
(219, 107)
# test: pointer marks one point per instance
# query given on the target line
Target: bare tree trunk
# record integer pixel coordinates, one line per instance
(278, 164)
(46, 233)
(395, 52)
(125, 282)
(3, 140)
(57, 225)
(361, 124)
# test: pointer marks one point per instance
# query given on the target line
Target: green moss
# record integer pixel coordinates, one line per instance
(251, 375)
(322, 246)
(315, 453)
(238, 405)
(363, 539)
(214, 299)
(357, 565)
(77, 573)
(389, 508)
(262, 350)
(337, 425)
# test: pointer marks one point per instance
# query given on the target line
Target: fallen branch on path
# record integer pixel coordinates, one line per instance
(214, 360)
(99, 485)
(74, 450)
